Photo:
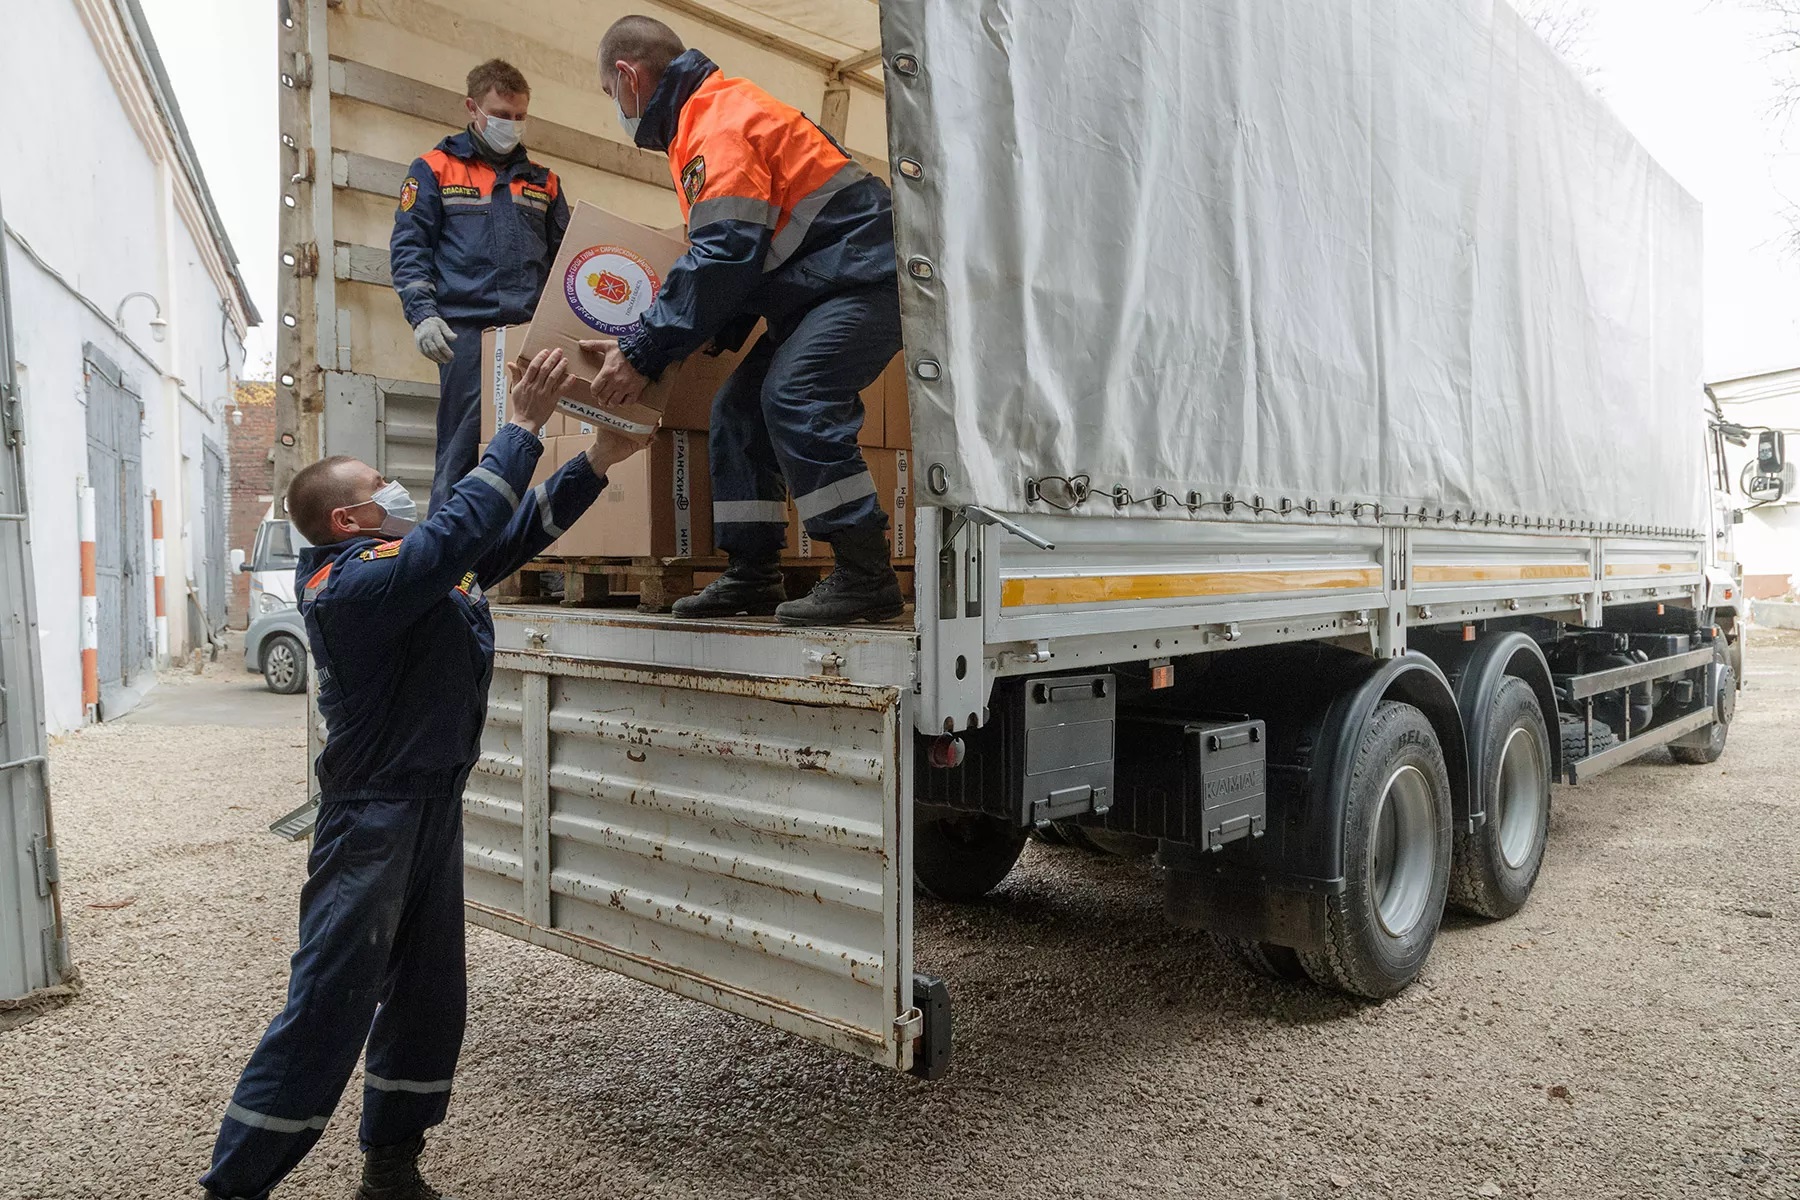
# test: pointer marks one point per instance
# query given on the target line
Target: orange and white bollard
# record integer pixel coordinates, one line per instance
(90, 608)
(156, 566)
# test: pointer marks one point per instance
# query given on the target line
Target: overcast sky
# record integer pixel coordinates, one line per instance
(1690, 77)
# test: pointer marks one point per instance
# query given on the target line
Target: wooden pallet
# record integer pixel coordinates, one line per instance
(649, 584)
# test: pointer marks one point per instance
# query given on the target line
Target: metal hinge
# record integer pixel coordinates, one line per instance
(301, 76)
(10, 425)
(828, 662)
(306, 260)
(43, 856)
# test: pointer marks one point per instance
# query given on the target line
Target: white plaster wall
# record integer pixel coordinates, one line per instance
(96, 208)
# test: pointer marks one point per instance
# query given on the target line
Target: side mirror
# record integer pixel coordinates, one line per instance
(237, 561)
(1771, 452)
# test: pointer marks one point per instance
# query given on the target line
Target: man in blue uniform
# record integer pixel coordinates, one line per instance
(786, 226)
(403, 645)
(477, 229)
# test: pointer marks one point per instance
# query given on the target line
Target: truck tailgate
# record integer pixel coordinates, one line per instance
(714, 809)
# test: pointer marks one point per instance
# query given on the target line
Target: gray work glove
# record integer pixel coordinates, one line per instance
(433, 339)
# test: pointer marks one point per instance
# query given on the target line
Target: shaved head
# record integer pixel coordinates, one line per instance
(641, 41)
(322, 488)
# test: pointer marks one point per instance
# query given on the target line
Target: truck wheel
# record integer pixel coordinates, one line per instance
(1575, 743)
(960, 856)
(1495, 867)
(1104, 841)
(1723, 710)
(1396, 860)
(1261, 958)
(284, 664)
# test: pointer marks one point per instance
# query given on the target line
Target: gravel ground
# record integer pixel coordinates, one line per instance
(1634, 1032)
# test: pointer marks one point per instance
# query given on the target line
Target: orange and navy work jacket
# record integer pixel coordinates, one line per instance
(473, 240)
(779, 217)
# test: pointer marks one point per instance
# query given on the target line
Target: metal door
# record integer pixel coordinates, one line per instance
(213, 575)
(116, 473)
(33, 953)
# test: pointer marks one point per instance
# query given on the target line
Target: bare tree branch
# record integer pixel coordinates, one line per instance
(1567, 24)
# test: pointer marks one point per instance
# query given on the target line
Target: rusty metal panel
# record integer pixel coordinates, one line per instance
(735, 838)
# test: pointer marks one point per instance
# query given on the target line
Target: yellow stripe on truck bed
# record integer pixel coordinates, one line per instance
(1114, 589)
(1502, 573)
(1639, 569)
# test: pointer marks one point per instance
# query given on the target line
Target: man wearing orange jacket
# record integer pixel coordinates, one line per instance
(783, 225)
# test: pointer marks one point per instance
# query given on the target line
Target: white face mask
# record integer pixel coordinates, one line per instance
(630, 123)
(399, 512)
(501, 134)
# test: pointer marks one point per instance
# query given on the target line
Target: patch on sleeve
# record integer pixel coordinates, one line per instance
(693, 178)
(385, 550)
(409, 193)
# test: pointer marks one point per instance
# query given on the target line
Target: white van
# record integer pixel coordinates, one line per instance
(271, 564)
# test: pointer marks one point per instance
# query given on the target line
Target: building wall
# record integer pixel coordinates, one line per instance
(1768, 542)
(100, 218)
(251, 420)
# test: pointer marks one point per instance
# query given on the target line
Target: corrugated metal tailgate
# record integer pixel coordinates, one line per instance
(733, 838)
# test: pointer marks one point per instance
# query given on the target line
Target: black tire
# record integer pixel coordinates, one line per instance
(960, 856)
(1575, 743)
(1380, 929)
(1261, 958)
(1105, 841)
(1723, 711)
(284, 664)
(1494, 868)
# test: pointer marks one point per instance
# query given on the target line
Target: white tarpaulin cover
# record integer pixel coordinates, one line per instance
(1367, 250)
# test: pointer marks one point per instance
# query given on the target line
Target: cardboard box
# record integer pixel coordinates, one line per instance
(800, 544)
(898, 420)
(498, 345)
(893, 470)
(607, 274)
(657, 503)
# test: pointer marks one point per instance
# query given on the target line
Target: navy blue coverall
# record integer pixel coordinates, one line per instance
(786, 226)
(403, 644)
(473, 240)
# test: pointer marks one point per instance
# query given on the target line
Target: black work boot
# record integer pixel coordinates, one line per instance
(392, 1173)
(749, 587)
(862, 587)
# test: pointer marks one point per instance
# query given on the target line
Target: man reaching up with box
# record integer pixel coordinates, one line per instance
(785, 226)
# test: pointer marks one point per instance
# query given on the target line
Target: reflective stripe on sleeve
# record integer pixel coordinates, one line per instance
(733, 208)
(498, 484)
(542, 493)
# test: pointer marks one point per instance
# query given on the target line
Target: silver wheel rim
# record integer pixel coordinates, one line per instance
(281, 664)
(1521, 795)
(1401, 851)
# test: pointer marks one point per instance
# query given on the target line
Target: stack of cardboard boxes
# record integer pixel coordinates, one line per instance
(658, 504)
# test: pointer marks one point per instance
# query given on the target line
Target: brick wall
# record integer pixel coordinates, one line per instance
(251, 421)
